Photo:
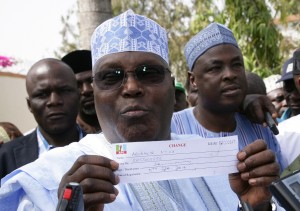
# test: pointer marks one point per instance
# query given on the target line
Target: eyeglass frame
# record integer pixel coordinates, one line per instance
(125, 74)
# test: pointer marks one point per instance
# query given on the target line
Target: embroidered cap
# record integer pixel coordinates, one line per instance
(214, 34)
(271, 84)
(129, 32)
(287, 70)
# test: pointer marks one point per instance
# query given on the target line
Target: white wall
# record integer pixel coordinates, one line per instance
(13, 107)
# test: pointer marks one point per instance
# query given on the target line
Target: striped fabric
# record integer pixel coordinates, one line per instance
(184, 122)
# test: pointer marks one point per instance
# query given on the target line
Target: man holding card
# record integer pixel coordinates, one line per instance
(217, 71)
(134, 99)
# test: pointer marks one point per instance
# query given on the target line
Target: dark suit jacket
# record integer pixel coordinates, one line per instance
(18, 152)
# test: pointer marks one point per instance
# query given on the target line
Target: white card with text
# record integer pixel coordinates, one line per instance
(175, 159)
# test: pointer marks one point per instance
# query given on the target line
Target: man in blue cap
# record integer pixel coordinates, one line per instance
(291, 94)
(289, 134)
(216, 70)
(134, 98)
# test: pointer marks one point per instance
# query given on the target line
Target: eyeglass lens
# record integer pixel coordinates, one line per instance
(113, 78)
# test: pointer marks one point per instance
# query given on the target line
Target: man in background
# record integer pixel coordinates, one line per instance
(81, 63)
(275, 93)
(291, 94)
(289, 133)
(216, 70)
(53, 100)
(180, 97)
(255, 83)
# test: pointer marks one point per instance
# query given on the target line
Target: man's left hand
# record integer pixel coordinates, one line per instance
(255, 106)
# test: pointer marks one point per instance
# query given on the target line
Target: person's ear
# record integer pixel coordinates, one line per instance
(192, 79)
(28, 104)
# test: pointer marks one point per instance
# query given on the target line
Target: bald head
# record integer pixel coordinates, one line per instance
(48, 66)
(53, 96)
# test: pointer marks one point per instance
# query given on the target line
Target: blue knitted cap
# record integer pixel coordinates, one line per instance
(129, 32)
(213, 35)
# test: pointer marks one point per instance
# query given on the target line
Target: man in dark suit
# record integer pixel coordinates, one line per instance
(53, 99)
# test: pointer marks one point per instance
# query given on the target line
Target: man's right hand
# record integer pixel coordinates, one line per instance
(255, 106)
(96, 176)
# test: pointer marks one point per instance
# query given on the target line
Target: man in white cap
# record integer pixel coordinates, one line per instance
(217, 71)
(134, 98)
(275, 93)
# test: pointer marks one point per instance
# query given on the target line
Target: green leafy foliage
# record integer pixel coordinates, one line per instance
(255, 23)
(252, 24)
(252, 21)
(69, 34)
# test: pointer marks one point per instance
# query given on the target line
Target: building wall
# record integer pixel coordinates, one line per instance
(13, 106)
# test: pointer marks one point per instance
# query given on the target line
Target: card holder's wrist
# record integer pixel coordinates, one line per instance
(244, 206)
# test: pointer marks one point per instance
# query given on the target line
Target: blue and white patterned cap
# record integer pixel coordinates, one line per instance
(214, 34)
(129, 32)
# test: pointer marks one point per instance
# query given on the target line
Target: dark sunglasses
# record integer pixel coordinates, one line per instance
(114, 78)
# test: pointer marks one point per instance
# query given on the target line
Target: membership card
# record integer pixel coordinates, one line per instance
(175, 159)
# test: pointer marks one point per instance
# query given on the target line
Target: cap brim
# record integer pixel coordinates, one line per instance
(285, 77)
